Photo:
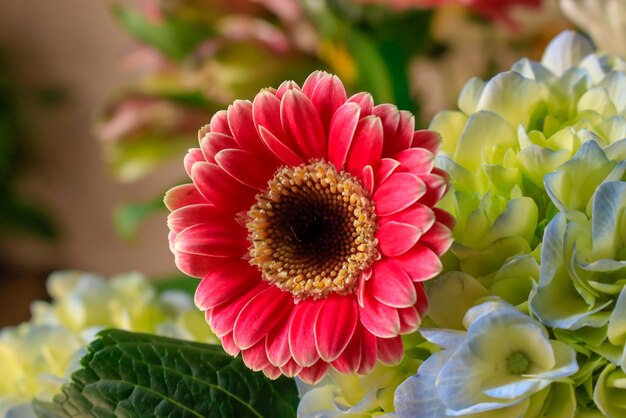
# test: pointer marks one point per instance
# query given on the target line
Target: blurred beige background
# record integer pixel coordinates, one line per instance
(76, 46)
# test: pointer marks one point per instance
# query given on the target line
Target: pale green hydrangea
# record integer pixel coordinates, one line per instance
(513, 130)
(37, 357)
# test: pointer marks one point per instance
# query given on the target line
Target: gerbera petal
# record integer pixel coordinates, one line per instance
(445, 218)
(277, 344)
(403, 136)
(214, 142)
(260, 315)
(391, 285)
(409, 319)
(183, 195)
(335, 325)
(395, 238)
(342, 129)
(390, 350)
(314, 373)
(196, 265)
(244, 131)
(369, 351)
(222, 318)
(417, 214)
(415, 160)
(227, 281)
(271, 372)
(245, 167)
(436, 187)
(302, 123)
(367, 179)
(286, 86)
(228, 344)
(422, 299)
(438, 238)
(279, 149)
(218, 187)
(365, 102)
(390, 117)
(428, 139)
(213, 239)
(380, 319)
(255, 357)
(291, 368)
(193, 156)
(420, 262)
(219, 123)
(349, 360)
(386, 167)
(366, 145)
(328, 95)
(308, 87)
(266, 113)
(187, 216)
(302, 334)
(398, 192)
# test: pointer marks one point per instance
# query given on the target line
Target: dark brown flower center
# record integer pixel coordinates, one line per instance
(312, 231)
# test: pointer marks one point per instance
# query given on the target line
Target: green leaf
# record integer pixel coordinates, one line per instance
(127, 374)
(175, 38)
(128, 217)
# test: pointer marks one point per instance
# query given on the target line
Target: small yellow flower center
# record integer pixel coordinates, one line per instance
(312, 231)
(518, 363)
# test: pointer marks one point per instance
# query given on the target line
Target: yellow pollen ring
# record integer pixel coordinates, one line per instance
(312, 232)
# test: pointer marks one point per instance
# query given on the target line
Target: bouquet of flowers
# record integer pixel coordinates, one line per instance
(353, 266)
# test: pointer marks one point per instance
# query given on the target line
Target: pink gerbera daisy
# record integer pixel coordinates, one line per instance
(310, 220)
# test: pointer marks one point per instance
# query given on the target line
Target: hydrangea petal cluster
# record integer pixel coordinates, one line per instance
(310, 221)
(504, 365)
(582, 260)
(513, 130)
(37, 357)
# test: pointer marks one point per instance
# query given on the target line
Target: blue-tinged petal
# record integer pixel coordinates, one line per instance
(447, 338)
(510, 387)
(476, 312)
(555, 301)
(459, 383)
(417, 396)
(609, 203)
(566, 50)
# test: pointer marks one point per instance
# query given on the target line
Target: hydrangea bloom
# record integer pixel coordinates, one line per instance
(582, 260)
(536, 161)
(38, 356)
(310, 221)
(513, 130)
(504, 364)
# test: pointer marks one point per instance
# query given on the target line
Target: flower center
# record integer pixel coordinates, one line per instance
(312, 231)
(518, 363)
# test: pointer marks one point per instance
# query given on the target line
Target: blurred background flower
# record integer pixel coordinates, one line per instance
(38, 356)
